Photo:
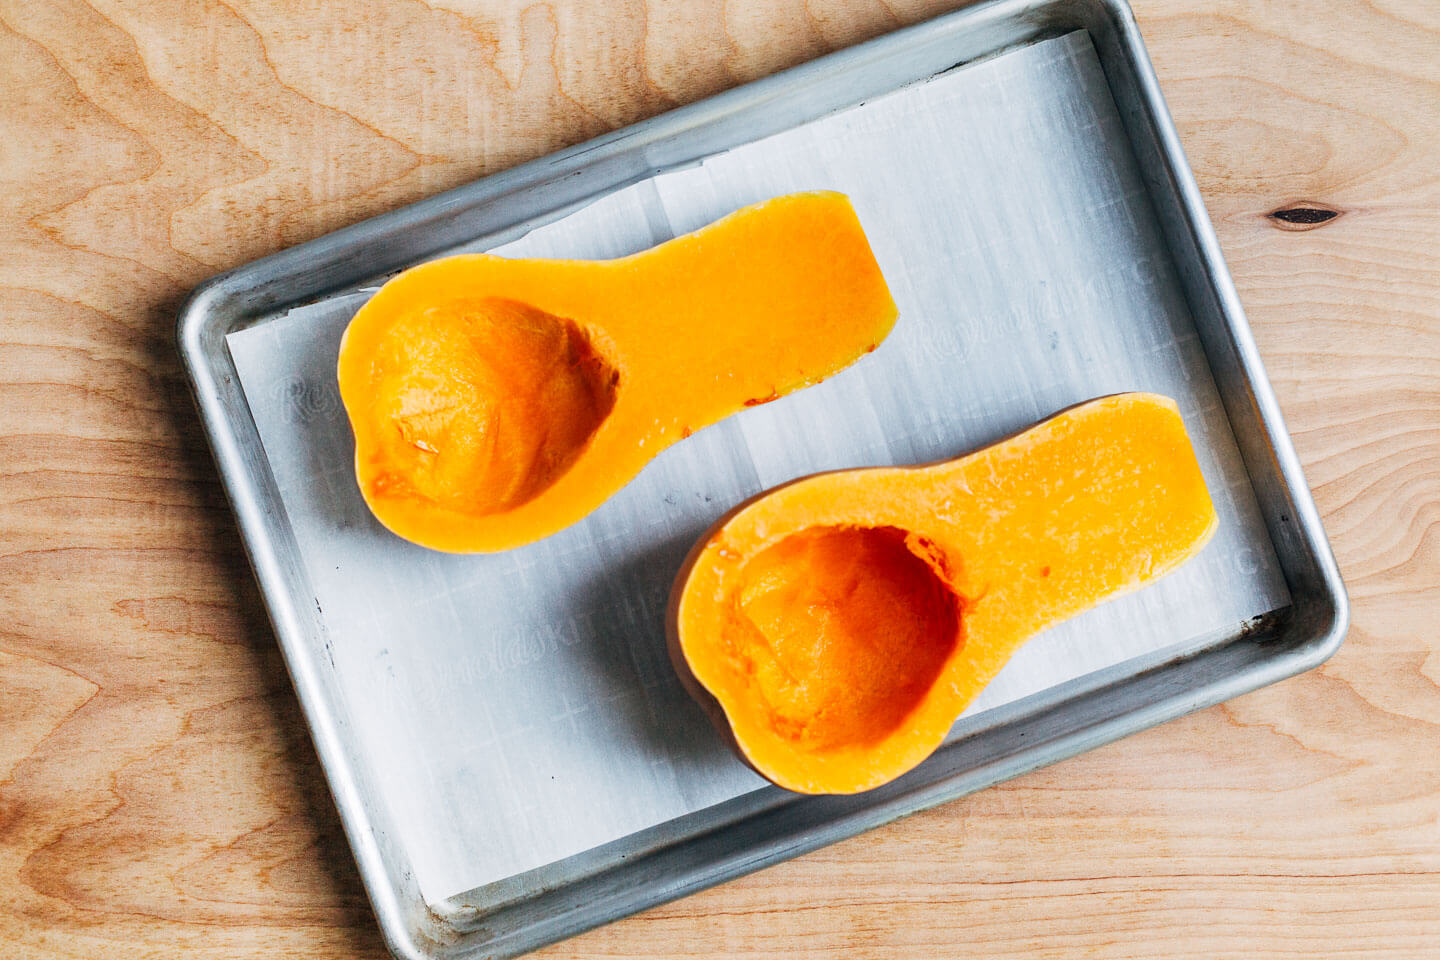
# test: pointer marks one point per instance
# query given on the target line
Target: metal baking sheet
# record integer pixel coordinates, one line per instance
(504, 736)
(521, 708)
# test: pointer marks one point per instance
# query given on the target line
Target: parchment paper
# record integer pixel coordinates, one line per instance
(519, 708)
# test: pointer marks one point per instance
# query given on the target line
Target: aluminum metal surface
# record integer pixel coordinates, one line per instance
(759, 828)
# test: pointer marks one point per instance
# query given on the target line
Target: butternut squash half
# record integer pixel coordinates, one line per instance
(835, 627)
(496, 401)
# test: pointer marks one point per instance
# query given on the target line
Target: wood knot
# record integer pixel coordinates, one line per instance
(1302, 215)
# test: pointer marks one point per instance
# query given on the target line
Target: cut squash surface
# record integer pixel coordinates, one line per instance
(497, 401)
(837, 626)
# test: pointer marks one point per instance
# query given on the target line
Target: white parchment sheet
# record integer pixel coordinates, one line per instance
(519, 708)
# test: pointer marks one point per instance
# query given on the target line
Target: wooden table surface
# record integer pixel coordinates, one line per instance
(158, 792)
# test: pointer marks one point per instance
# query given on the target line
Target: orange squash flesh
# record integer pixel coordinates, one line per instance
(497, 401)
(836, 627)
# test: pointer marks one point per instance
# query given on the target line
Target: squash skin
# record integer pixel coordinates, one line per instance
(1092, 503)
(768, 300)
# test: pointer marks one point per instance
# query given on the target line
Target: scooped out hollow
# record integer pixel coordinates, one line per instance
(843, 630)
(487, 403)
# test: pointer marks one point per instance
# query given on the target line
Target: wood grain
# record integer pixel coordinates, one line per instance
(158, 794)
